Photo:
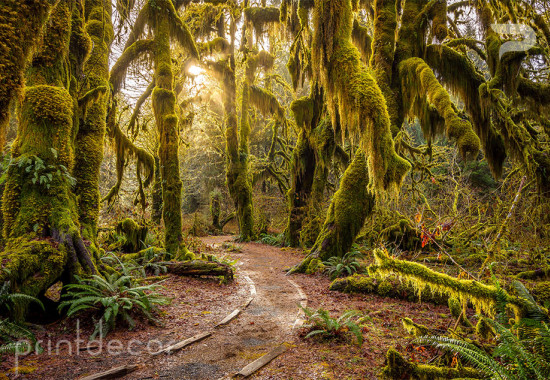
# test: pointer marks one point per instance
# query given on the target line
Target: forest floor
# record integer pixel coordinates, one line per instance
(266, 323)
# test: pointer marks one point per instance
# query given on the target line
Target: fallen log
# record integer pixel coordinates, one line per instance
(199, 268)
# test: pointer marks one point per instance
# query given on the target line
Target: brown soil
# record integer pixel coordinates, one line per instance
(199, 304)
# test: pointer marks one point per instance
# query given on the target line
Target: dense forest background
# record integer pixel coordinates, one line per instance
(404, 139)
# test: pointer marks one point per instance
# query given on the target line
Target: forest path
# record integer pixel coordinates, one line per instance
(265, 324)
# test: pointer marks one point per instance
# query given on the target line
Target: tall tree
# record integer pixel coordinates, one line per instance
(162, 18)
(42, 230)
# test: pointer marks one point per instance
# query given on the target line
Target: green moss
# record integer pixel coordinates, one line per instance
(483, 297)
(353, 93)
(347, 212)
(414, 328)
(421, 91)
(403, 234)
(315, 266)
(22, 24)
(91, 132)
(261, 17)
(483, 329)
(458, 311)
(399, 368)
(541, 292)
(134, 233)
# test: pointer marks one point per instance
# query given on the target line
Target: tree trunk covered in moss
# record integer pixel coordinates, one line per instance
(157, 194)
(21, 24)
(91, 132)
(350, 206)
(238, 176)
(41, 227)
(302, 172)
(164, 102)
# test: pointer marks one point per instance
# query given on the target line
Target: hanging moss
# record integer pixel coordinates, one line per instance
(21, 26)
(460, 75)
(205, 19)
(266, 102)
(261, 18)
(419, 82)
(352, 92)
(362, 40)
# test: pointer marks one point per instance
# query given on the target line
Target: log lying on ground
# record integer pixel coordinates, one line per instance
(199, 268)
(399, 368)
(386, 288)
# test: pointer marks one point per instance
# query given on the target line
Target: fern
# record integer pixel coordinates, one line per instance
(321, 323)
(115, 297)
(343, 266)
(16, 338)
(9, 301)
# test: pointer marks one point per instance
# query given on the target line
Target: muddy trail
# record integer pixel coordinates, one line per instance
(269, 314)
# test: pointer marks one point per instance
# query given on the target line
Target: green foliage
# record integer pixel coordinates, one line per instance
(343, 266)
(10, 302)
(16, 338)
(116, 296)
(274, 240)
(321, 323)
(40, 173)
(514, 358)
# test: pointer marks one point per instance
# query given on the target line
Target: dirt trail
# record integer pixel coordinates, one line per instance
(266, 323)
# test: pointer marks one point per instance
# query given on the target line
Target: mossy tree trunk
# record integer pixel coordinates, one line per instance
(350, 206)
(42, 230)
(164, 102)
(157, 194)
(91, 132)
(21, 24)
(302, 177)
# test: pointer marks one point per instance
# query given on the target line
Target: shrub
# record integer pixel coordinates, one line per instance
(115, 297)
(320, 323)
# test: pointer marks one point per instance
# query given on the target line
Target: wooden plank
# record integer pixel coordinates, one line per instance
(184, 343)
(231, 316)
(113, 373)
(248, 301)
(260, 362)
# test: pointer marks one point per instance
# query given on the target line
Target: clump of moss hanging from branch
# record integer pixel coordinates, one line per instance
(352, 93)
(422, 92)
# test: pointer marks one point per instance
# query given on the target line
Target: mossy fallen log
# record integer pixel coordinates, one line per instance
(200, 268)
(484, 297)
(385, 288)
(399, 368)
